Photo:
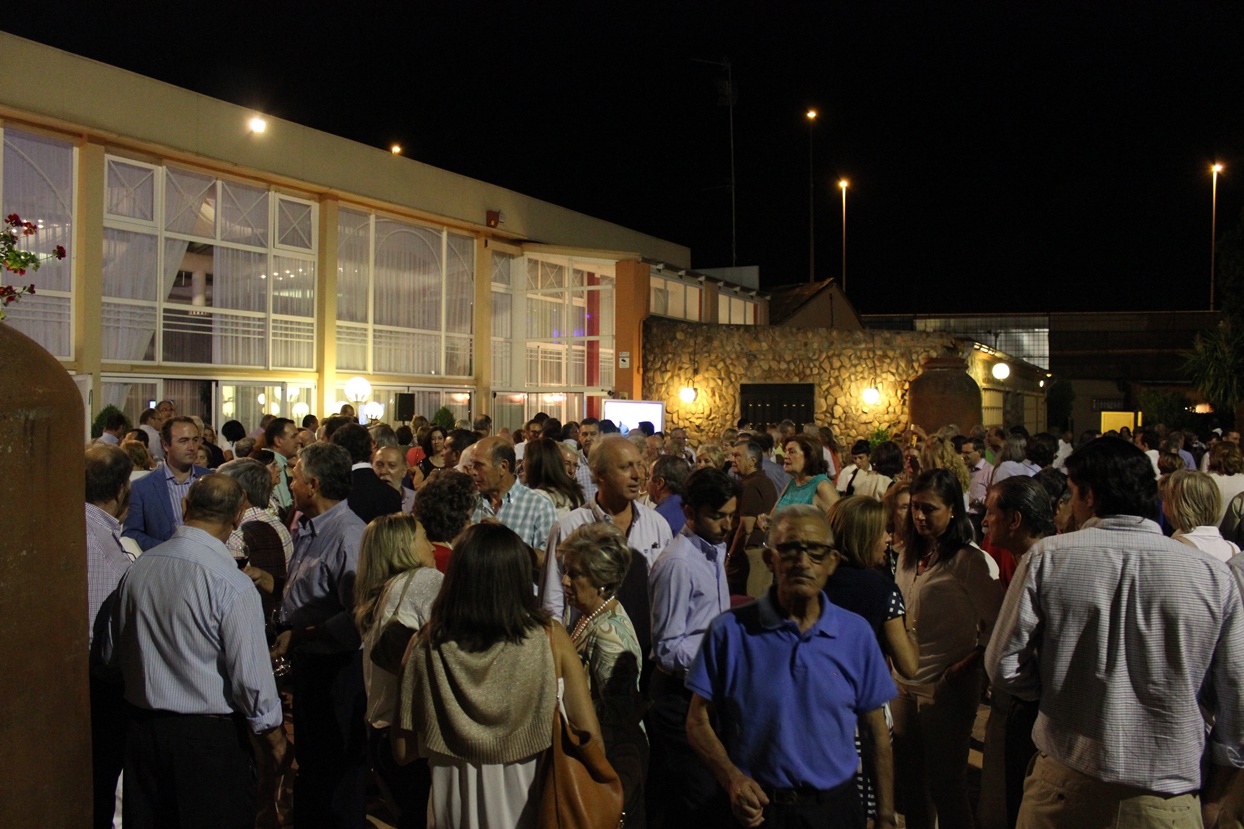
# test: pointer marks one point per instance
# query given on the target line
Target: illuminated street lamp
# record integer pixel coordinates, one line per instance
(1213, 233)
(842, 185)
(811, 188)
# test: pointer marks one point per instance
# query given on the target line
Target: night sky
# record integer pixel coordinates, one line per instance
(1002, 156)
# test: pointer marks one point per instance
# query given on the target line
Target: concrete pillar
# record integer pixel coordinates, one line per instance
(88, 267)
(483, 328)
(326, 307)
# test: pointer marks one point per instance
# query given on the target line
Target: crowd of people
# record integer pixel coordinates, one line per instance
(766, 628)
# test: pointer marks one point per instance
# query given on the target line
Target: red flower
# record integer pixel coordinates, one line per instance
(13, 220)
(59, 252)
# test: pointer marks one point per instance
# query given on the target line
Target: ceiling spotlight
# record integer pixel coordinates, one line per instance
(258, 124)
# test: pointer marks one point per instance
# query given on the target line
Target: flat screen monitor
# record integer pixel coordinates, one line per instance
(627, 414)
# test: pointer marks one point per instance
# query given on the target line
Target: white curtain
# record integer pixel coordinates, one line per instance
(407, 276)
(353, 277)
(38, 186)
(243, 214)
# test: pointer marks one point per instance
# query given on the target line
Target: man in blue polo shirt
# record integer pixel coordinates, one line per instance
(786, 679)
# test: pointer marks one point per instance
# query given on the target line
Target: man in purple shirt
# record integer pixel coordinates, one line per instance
(688, 589)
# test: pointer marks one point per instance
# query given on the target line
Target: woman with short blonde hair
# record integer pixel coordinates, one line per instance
(1191, 503)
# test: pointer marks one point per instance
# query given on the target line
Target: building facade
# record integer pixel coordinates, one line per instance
(239, 272)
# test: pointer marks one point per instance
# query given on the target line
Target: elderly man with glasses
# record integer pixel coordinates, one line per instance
(785, 680)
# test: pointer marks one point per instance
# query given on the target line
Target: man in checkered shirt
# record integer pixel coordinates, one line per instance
(527, 512)
(1123, 635)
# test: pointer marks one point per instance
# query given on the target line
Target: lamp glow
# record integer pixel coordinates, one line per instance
(373, 410)
(1001, 371)
(688, 394)
(258, 124)
(396, 149)
(871, 396)
(843, 184)
(812, 115)
(301, 410)
(262, 399)
(1217, 168)
(358, 389)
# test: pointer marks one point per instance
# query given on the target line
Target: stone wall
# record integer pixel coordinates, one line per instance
(716, 359)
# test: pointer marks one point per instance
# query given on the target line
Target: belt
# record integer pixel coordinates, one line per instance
(806, 795)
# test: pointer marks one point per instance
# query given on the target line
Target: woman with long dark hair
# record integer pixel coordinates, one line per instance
(433, 445)
(952, 602)
(480, 686)
(544, 469)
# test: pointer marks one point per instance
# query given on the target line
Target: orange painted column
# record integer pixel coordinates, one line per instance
(630, 311)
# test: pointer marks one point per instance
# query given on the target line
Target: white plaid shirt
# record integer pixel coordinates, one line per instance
(528, 512)
(1119, 632)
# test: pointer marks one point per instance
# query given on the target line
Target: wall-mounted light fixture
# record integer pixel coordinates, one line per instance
(871, 396)
(1001, 371)
(688, 394)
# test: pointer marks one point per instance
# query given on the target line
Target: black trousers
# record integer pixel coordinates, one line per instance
(410, 785)
(836, 808)
(330, 741)
(109, 720)
(187, 771)
(680, 791)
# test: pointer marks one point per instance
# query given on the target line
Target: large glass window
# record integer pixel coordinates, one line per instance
(732, 310)
(38, 185)
(405, 297)
(569, 325)
(193, 274)
(674, 298)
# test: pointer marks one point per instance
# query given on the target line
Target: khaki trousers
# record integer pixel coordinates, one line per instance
(1059, 797)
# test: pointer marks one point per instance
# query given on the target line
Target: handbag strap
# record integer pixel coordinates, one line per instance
(410, 576)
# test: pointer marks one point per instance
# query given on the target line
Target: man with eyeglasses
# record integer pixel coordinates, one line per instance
(785, 680)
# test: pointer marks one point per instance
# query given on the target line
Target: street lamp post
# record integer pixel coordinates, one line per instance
(811, 190)
(842, 185)
(1213, 233)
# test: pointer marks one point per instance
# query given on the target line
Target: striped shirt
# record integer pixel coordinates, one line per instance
(1116, 630)
(106, 561)
(528, 512)
(177, 489)
(188, 634)
(237, 547)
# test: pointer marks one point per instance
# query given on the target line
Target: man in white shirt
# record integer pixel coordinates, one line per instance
(859, 478)
(1123, 635)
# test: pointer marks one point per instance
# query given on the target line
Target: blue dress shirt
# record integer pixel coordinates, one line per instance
(689, 591)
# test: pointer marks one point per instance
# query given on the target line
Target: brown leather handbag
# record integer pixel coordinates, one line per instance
(579, 789)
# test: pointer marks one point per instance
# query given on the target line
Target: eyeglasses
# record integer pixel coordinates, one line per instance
(795, 550)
